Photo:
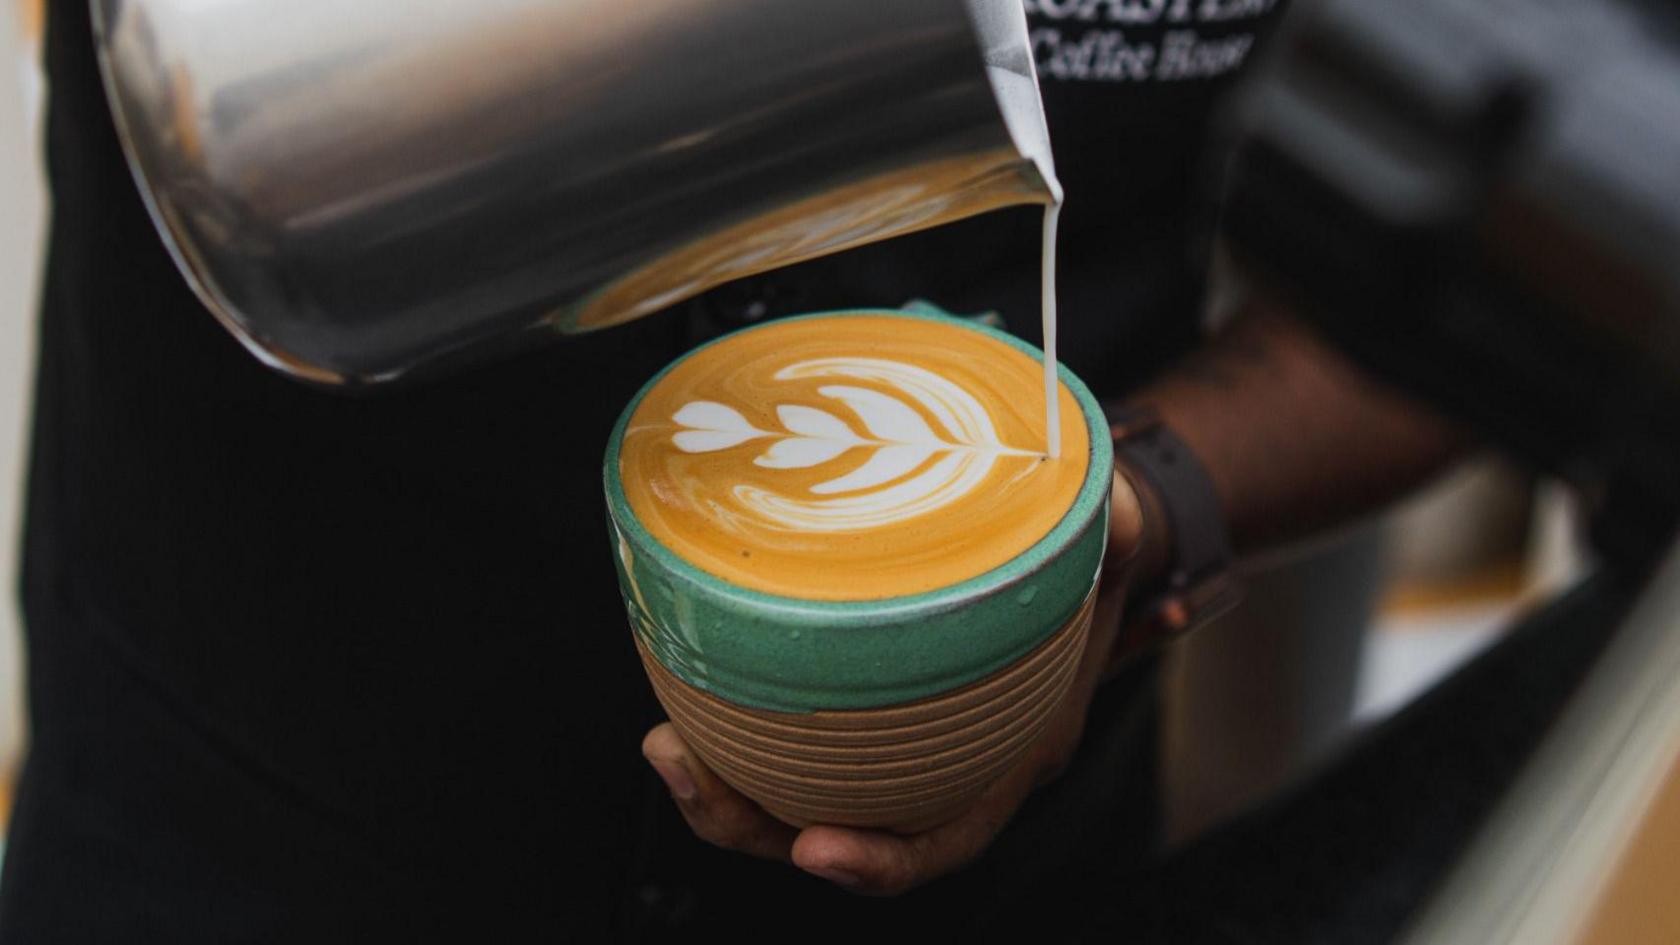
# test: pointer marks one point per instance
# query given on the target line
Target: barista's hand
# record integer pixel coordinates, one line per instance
(885, 864)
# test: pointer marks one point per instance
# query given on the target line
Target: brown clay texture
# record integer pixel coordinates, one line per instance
(905, 768)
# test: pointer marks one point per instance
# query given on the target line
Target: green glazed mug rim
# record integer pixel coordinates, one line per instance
(778, 678)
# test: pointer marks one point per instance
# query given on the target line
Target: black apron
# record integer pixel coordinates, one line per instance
(313, 668)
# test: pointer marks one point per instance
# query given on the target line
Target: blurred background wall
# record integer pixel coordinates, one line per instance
(22, 224)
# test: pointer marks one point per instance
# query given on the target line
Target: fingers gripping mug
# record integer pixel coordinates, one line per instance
(857, 584)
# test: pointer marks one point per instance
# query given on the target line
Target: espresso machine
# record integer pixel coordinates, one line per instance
(1479, 201)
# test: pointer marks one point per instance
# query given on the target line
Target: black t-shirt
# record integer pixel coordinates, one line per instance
(312, 667)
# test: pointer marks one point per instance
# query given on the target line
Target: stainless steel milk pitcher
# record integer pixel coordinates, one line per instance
(365, 189)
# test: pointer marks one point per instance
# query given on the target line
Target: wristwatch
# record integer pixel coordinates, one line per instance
(1198, 583)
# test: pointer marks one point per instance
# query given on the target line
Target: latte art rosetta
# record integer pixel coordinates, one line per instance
(896, 438)
(850, 457)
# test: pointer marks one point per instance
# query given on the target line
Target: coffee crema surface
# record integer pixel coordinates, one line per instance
(851, 457)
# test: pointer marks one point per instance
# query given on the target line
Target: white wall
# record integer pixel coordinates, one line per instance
(22, 215)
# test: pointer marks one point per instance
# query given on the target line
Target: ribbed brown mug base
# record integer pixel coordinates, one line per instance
(904, 768)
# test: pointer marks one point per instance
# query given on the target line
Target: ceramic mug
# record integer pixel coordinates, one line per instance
(893, 713)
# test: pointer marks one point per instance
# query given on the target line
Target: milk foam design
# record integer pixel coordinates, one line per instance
(947, 463)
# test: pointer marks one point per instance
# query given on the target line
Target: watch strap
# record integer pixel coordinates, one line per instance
(1198, 583)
